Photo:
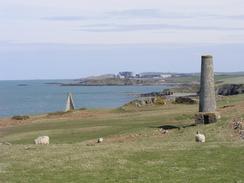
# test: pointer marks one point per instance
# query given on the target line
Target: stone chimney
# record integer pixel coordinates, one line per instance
(207, 105)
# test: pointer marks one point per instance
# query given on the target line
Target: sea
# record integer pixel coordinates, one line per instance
(44, 96)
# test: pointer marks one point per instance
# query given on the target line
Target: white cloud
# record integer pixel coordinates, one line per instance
(127, 21)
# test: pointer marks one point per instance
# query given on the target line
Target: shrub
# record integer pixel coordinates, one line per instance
(160, 101)
(21, 117)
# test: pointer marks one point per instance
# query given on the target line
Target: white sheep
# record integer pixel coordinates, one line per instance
(42, 140)
(200, 137)
(100, 140)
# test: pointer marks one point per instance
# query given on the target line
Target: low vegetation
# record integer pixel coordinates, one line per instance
(21, 117)
(232, 80)
(134, 149)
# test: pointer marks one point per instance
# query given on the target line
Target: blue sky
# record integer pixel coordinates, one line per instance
(45, 39)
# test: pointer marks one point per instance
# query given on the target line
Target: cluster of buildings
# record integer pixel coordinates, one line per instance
(153, 75)
(144, 75)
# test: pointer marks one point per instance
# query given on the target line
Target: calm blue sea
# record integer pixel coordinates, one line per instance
(36, 97)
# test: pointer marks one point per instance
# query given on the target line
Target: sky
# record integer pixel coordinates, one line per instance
(58, 39)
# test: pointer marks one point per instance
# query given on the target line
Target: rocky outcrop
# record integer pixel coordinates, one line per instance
(152, 94)
(140, 102)
(230, 89)
(163, 93)
(237, 125)
(207, 117)
(185, 100)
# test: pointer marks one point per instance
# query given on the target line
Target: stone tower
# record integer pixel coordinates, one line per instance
(207, 105)
(207, 86)
(70, 106)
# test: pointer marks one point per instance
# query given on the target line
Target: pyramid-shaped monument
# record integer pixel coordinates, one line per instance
(70, 106)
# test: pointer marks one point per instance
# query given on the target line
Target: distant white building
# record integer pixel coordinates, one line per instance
(153, 75)
(166, 75)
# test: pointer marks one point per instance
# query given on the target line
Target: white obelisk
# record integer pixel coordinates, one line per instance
(70, 106)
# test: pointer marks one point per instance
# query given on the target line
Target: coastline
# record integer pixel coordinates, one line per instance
(9, 121)
(38, 98)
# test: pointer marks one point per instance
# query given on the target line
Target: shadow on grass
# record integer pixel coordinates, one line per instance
(170, 127)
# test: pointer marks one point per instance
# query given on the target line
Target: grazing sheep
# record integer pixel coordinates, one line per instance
(200, 137)
(163, 131)
(42, 140)
(100, 140)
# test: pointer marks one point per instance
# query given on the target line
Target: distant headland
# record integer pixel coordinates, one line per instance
(128, 78)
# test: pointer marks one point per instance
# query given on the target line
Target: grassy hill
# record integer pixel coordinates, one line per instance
(134, 149)
(221, 79)
(234, 80)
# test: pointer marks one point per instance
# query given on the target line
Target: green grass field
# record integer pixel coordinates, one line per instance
(134, 150)
(234, 80)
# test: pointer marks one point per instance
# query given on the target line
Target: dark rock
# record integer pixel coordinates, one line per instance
(166, 92)
(21, 117)
(185, 100)
(152, 94)
(231, 89)
(206, 117)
